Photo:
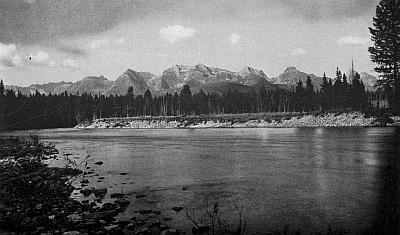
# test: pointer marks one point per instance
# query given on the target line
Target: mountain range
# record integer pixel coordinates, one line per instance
(198, 77)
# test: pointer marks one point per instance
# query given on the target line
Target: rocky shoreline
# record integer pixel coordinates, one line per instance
(36, 198)
(321, 120)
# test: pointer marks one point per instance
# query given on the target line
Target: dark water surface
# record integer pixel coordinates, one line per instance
(306, 178)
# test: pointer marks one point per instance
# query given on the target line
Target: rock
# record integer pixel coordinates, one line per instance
(101, 192)
(109, 206)
(75, 217)
(101, 215)
(177, 208)
(155, 224)
(122, 202)
(87, 192)
(167, 219)
(140, 196)
(131, 226)
(140, 223)
(85, 181)
(144, 231)
(39, 207)
(145, 212)
(99, 163)
(115, 195)
(170, 231)
(157, 212)
(112, 228)
(72, 233)
(60, 221)
(201, 229)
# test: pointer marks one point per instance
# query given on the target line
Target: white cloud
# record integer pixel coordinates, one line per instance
(298, 52)
(118, 41)
(8, 55)
(349, 40)
(176, 33)
(53, 64)
(95, 44)
(70, 63)
(234, 38)
(41, 58)
(17, 60)
(99, 43)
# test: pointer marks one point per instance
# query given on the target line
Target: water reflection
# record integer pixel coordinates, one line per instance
(307, 178)
(386, 219)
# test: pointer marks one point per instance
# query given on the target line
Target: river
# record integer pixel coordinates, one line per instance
(304, 178)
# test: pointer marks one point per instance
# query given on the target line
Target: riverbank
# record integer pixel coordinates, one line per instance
(282, 120)
(36, 198)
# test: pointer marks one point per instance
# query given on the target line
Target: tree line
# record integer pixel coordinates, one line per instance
(38, 110)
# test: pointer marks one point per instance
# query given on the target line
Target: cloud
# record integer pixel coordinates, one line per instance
(118, 41)
(9, 56)
(41, 58)
(70, 63)
(349, 40)
(74, 51)
(176, 33)
(298, 52)
(317, 10)
(99, 43)
(95, 44)
(234, 38)
(53, 64)
(29, 22)
(294, 53)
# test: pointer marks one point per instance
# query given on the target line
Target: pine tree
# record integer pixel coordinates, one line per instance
(386, 50)
(300, 97)
(2, 89)
(309, 103)
(326, 93)
(186, 100)
(148, 103)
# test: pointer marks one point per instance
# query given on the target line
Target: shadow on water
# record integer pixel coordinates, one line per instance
(387, 220)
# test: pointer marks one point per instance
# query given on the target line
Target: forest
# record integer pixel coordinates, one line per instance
(40, 111)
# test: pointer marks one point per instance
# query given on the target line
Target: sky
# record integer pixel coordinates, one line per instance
(45, 41)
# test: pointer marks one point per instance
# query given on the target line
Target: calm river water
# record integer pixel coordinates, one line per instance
(305, 178)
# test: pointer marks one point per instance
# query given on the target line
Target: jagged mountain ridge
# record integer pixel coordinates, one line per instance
(290, 77)
(198, 77)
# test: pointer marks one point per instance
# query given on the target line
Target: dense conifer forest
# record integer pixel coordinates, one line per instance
(37, 111)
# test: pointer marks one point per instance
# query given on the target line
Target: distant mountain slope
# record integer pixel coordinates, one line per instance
(52, 87)
(200, 76)
(137, 80)
(290, 77)
(369, 81)
(94, 85)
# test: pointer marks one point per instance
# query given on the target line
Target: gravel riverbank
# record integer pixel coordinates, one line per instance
(321, 120)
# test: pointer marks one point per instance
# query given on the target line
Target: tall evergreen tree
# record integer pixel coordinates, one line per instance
(186, 100)
(326, 93)
(300, 97)
(309, 95)
(148, 103)
(386, 50)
